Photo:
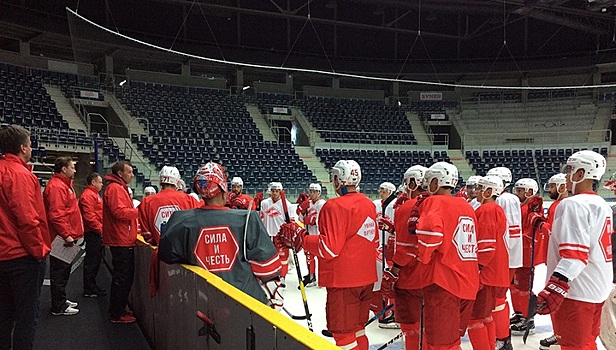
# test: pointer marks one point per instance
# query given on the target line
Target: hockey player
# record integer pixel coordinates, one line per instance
(407, 293)
(237, 199)
(256, 264)
(493, 259)
(272, 214)
(386, 230)
(155, 211)
(308, 213)
(471, 186)
(447, 250)
(579, 256)
(525, 189)
(149, 191)
(511, 205)
(346, 249)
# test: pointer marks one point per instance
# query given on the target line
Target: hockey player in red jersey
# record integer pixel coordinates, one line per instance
(254, 266)
(493, 259)
(346, 249)
(308, 212)
(407, 293)
(272, 214)
(511, 206)
(579, 256)
(448, 273)
(526, 190)
(237, 199)
(156, 210)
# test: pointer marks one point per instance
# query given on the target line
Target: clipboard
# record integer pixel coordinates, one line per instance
(62, 252)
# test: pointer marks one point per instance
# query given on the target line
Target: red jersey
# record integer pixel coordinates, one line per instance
(23, 223)
(63, 214)
(119, 214)
(406, 248)
(91, 206)
(492, 252)
(447, 246)
(155, 210)
(543, 241)
(347, 242)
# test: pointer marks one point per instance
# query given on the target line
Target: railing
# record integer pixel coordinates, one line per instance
(135, 158)
(51, 136)
(536, 139)
(371, 140)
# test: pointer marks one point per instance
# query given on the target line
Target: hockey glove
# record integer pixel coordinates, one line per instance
(550, 298)
(239, 203)
(415, 213)
(258, 199)
(390, 248)
(292, 235)
(230, 197)
(385, 224)
(402, 197)
(311, 217)
(535, 204)
(535, 220)
(301, 198)
(387, 284)
(275, 300)
(302, 208)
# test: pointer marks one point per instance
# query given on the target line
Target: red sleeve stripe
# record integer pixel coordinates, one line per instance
(573, 246)
(574, 254)
(481, 241)
(269, 274)
(430, 233)
(265, 263)
(329, 254)
(266, 269)
(428, 245)
(518, 235)
(485, 250)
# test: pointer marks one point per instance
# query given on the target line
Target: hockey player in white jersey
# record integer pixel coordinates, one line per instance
(471, 191)
(308, 213)
(272, 214)
(511, 205)
(579, 256)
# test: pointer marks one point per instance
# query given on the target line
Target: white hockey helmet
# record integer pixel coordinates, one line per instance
(388, 186)
(592, 162)
(491, 181)
(315, 187)
(473, 180)
(557, 179)
(237, 181)
(445, 173)
(275, 186)
(347, 172)
(416, 172)
(527, 184)
(149, 190)
(169, 175)
(503, 172)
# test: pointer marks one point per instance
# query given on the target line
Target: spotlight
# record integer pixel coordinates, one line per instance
(123, 82)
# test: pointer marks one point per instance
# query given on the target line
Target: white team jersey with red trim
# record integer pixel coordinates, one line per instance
(581, 246)
(511, 206)
(272, 215)
(314, 206)
(474, 203)
(389, 214)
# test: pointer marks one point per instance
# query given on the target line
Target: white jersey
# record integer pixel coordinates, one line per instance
(580, 247)
(272, 215)
(389, 214)
(316, 206)
(474, 203)
(511, 206)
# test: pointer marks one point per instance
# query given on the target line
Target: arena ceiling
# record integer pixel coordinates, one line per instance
(278, 32)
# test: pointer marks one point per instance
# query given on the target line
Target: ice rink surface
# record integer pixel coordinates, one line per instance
(377, 336)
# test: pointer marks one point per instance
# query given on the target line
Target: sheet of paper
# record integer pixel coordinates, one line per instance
(62, 252)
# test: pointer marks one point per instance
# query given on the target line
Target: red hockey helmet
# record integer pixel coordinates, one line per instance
(210, 180)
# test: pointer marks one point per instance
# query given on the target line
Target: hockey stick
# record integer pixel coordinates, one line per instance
(296, 260)
(393, 340)
(386, 202)
(327, 333)
(532, 299)
(295, 317)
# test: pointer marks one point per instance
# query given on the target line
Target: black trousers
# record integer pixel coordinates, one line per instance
(20, 290)
(123, 260)
(59, 272)
(92, 261)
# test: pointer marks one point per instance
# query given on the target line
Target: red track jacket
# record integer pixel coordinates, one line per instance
(91, 206)
(63, 213)
(119, 215)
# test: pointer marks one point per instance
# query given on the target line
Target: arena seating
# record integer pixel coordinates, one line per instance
(267, 101)
(425, 109)
(358, 121)
(191, 126)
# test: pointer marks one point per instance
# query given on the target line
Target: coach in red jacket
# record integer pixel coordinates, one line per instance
(24, 241)
(91, 206)
(120, 234)
(65, 221)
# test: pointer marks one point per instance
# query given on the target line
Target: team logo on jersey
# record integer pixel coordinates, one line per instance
(368, 229)
(163, 214)
(465, 239)
(216, 249)
(605, 239)
(272, 212)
